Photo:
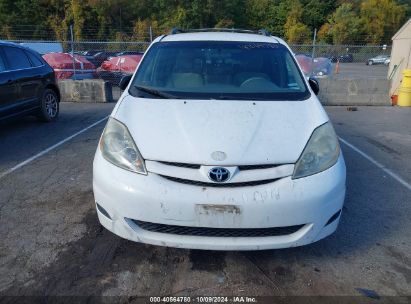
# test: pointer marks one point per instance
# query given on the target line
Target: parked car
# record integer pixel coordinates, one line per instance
(303, 54)
(115, 68)
(44, 47)
(319, 67)
(219, 142)
(63, 65)
(89, 55)
(341, 58)
(98, 58)
(27, 84)
(380, 59)
(129, 53)
(126, 53)
(346, 58)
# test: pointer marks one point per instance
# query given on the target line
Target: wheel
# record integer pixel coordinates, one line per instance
(49, 108)
(370, 62)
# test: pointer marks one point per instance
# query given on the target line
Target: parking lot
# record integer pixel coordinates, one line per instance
(360, 70)
(52, 243)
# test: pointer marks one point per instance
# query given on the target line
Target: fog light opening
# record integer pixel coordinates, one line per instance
(103, 211)
(334, 217)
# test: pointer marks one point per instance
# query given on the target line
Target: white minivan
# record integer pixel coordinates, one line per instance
(219, 142)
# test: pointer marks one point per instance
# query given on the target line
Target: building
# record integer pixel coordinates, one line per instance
(400, 56)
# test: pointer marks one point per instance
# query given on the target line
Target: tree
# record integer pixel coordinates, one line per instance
(380, 19)
(228, 13)
(267, 14)
(55, 12)
(77, 15)
(22, 19)
(296, 31)
(225, 23)
(142, 27)
(324, 34)
(343, 26)
(338, 21)
(315, 12)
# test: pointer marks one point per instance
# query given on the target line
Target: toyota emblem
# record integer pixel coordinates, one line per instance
(219, 174)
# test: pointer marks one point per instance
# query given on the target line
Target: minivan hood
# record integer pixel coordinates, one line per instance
(248, 132)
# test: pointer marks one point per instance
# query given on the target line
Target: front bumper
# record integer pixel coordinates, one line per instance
(126, 196)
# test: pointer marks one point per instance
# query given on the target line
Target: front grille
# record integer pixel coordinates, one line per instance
(217, 232)
(256, 167)
(219, 185)
(241, 167)
(182, 165)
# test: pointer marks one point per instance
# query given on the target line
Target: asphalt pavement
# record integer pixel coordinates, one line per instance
(360, 70)
(52, 244)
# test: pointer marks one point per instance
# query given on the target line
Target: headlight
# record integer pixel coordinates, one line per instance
(118, 147)
(320, 153)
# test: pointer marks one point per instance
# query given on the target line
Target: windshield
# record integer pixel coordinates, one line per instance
(219, 70)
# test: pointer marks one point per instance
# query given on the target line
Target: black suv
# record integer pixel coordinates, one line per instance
(342, 58)
(27, 84)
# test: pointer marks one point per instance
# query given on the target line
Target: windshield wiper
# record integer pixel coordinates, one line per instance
(228, 97)
(156, 92)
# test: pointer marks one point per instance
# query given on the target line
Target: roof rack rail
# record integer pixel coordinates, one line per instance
(263, 32)
(176, 30)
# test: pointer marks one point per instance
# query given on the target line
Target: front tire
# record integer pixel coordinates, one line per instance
(49, 107)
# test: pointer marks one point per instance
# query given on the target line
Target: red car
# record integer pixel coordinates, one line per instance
(317, 67)
(117, 67)
(64, 65)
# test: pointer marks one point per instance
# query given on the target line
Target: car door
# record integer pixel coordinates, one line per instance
(39, 76)
(26, 78)
(8, 87)
(380, 59)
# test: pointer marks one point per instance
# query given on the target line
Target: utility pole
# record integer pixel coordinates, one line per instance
(313, 52)
(72, 51)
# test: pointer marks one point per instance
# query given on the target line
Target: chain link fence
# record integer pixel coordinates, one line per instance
(111, 60)
(343, 53)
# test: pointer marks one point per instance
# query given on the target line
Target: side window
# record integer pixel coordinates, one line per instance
(295, 81)
(34, 60)
(17, 58)
(2, 65)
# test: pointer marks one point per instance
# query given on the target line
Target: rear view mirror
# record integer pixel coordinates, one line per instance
(315, 86)
(124, 82)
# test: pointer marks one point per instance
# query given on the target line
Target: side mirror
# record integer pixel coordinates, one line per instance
(125, 80)
(315, 86)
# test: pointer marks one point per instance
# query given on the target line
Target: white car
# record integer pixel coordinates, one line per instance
(380, 59)
(219, 142)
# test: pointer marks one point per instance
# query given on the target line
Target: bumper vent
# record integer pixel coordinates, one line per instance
(217, 232)
(103, 211)
(334, 217)
(219, 185)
